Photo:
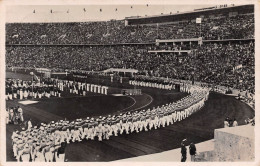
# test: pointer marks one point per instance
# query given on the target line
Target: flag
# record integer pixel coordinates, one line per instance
(198, 20)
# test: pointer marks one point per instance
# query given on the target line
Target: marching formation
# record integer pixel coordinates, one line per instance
(155, 84)
(47, 142)
(81, 88)
(20, 89)
(184, 87)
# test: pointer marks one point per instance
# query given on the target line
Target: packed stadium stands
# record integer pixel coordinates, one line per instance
(113, 32)
(207, 62)
(226, 56)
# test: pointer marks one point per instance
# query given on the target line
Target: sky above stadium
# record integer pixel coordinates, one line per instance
(79, 13)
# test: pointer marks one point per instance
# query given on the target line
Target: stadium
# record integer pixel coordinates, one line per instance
(132, 89)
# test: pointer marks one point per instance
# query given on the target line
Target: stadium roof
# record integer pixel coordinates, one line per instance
(194, 11)
(190, 14)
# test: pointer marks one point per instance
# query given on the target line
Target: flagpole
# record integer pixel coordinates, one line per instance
(68, 16)
(84, 14)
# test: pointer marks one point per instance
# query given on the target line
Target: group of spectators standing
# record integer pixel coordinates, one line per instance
(42, 143)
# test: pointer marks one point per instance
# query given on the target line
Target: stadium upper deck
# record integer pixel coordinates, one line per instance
(210, 12)
(234, 23)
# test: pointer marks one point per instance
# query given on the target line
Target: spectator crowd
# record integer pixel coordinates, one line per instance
(63, 46)
(228, 64)
(115, 31)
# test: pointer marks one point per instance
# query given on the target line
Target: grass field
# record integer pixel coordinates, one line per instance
(197, 128)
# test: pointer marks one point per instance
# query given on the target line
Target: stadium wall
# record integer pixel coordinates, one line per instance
(232, 144)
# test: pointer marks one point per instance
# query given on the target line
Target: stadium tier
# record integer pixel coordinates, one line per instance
(114, 32)
(224, 56)
(230, 64)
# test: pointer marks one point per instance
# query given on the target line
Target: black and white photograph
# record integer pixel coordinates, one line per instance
(129, 82)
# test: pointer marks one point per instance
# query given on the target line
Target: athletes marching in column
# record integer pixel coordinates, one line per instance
(43, 143)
